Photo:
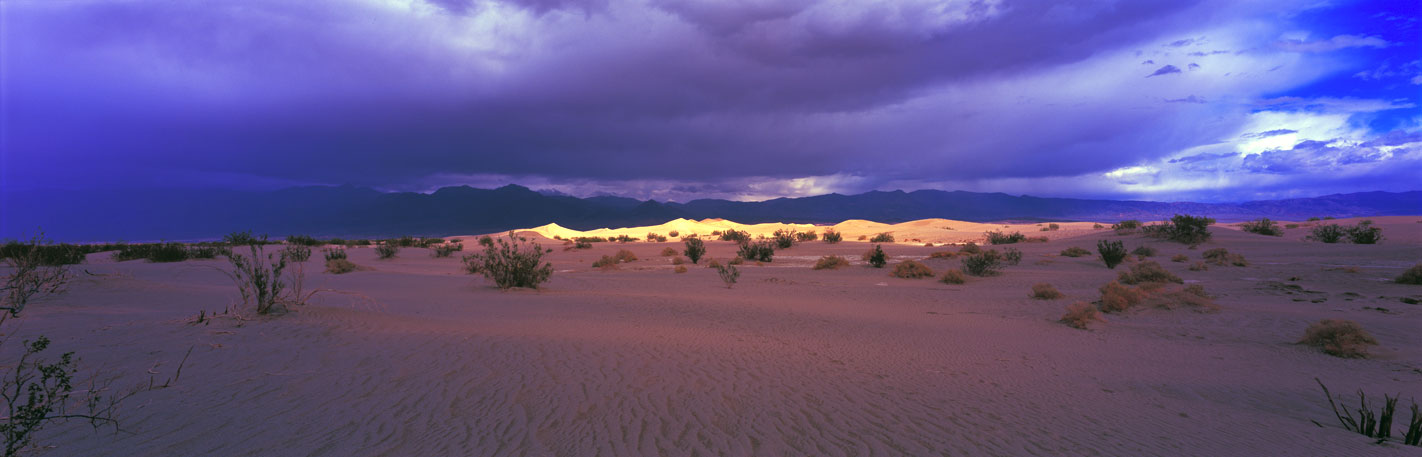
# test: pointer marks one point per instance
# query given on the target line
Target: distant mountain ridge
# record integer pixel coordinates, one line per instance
(348, 211)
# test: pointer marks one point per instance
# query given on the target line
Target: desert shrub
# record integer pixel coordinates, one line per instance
(1079, 314)
(655, 238)
(1411, 276)
(1053, 227)
(47, 254)
(1180, 258)
(807, 236)
(1182, 229)
(678, 260)
(1044, 291)
(729, 274)
(1148, 272)
(625, 256)
(1144, 251)
(1126, 226)
(985, 263)
(733, 235)
(167, 252)
(1326, 233)
(761, 251)
(297, 253)
(942, 255)
(1364, 233)
(884, 237)
(623, 238)
(488, 241)
(970, 248)
(680, 269)
(876, 257)
(1340, 338)
(832, 236)
(831, 262)
(258, 276)
(1263, 226)
(669, 251)
(997, 237)
(1075, 251)
(30, 277)
(340, 266)
(1198, 266)
(784, 239)
(910, 269)
(1097, 226)
(953, 276)
(37, 393)
(605, 263)
(1011, 256)
(386, 249)
(737, 260)
(1112, 252)
(1291, 226)
(244, 238)
(694, 249)
(446, 249)
(581, 244)
(674, 234)
(1312, 219)
(334, 254)
(1328, 218)
(1375, 424)
(303, 240)
(511, 262)
(863, 238)
(206, 252)
(1116, 297)
(1221, 256)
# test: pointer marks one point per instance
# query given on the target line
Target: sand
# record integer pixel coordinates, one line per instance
(417, 358)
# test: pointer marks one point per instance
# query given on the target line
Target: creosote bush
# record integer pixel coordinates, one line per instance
(1080, 314)
(680, 269)
(910, 269)
(733, 235)
(1011, 256)
(340, 266)
(1365, 233)
(334, 254)
(984, 263)
(49, 254)
(386, 250)
(655, 238)
(1411, 276)
(1148, 271)
(1222, 257)
(1262, 226)
(1340, 338)
(1144, 251)
(678, 260)
(832, 236)
(760, 251)
(884, 237)
(1126, 226)
(511, 262)
(729, 274)
(1180, 258)
(807, 236)
(942, 255)
(446, 249)
(997, 237)
(785, 239)
(1044, 291)
(1112, 252)
(303, 240)
(674, 234)
(669, 251)
(831, 262)
(970, 248)
(1182, 229)
(876, 257)
(1199, 266)
(1075, 251)
(1326, 233)
(694, 249)
(953, 276)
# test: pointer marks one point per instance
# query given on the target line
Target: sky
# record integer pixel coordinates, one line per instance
(741, 99)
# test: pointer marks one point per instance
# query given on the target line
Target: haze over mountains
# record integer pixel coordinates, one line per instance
(346, 211)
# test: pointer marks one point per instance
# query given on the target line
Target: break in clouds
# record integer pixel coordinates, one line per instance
(1204, 100)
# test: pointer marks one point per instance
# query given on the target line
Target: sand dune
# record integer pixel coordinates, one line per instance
(641, 361)
(918, 231)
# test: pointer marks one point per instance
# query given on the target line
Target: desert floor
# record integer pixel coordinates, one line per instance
(414, 357)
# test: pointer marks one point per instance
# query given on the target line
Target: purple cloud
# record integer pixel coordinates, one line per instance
(1168, 69)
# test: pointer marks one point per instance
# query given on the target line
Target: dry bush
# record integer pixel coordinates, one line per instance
(30, 277)
(1144, 251)
(737, 260)
(942, 255)
(831, 262)
(1198, 266)
(1263, 226)
(668, 252)
(728, 274)
(1148, 271)
(832, 236)
(985, 263)
(680, 269)
(1116, 298)
(1338, 337)
(340, 266)
(624, 256)
(970, 248)
(1180, 258)
(713, 263)
(655, 238)
(678, 260)
(953, 276)
(1075, 251)
(1222, 257)
(674, 234)
(1191, 297)
(1411, 276)
(606, 263)
(1079, 314)
(386, 250)
(1044, 291)
(911, 269)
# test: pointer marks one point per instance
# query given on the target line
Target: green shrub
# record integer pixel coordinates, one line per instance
(729, 274)
(985, 263)
(1148, 272)
(1097, 226)
(910, 269)
(206, 252)
(876, 257)
(387, 249)
(953, 276)
(446, 249)
(806, 236)
(884, 237)
(511, 262)
(167, 252)
(1182, 229)
(1365, 233)
(1327, 233)
(488, 241)
(303, 240)
(1112, 252)
(243, 239)
(258, 276)
(997, 237)
(832, 236)
(1053, 227)
(694, 249)
(761, 251)
(1126, 226)
(1411, 276)
(674, 234)
(46, 254)
(297, 253)
(1012, 256)
(340, 266)
(655, 238)
(1221, 256)
(733, 235)
(1144, 251)
(784, 239)
(1075, 252)
(831, 262)
(622, 239)
(334, 254)
(1263, 226)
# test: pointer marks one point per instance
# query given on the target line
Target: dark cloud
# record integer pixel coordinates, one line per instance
(1168, 69)
(1269, 133)
(1190, 99)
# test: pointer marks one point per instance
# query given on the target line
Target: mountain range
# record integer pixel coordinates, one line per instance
(351, 212)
